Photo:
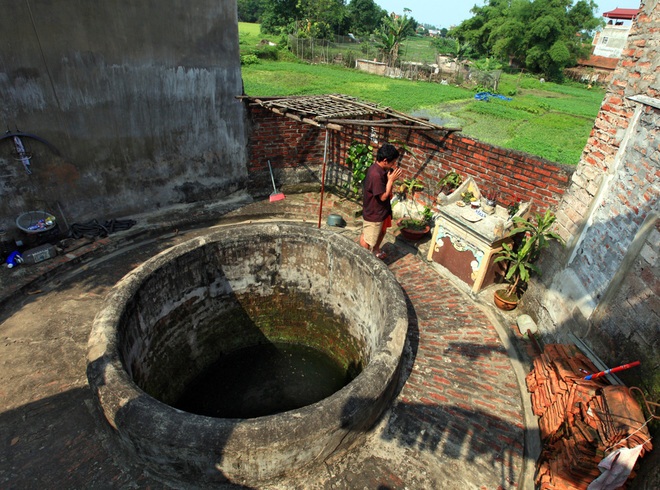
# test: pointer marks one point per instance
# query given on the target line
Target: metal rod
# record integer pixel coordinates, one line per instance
(613, 370)
(325, 157)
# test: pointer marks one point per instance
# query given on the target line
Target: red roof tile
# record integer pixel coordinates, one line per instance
(600, 62)
(617, 13)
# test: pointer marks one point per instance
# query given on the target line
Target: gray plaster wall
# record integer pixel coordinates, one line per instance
(138, 97)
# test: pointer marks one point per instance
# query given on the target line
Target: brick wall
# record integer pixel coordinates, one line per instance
(293, 146)
(283, 141)
(508, 174)
(603, 287)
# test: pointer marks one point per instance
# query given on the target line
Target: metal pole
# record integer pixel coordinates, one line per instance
(325, 157)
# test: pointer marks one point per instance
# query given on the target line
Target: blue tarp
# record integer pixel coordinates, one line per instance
(489, 95)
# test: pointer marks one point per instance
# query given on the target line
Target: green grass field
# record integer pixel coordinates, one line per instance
(549, 120)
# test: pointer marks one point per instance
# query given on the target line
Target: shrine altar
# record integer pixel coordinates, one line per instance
(465, 241)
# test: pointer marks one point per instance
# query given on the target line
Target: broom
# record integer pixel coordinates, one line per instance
(275, 196)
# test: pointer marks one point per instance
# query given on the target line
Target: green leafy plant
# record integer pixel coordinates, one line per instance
(450, 181)
(513, 207)
(408, 187)
(417, 224)
(359, 158)
(521, 255)
(413, 224)
(427, 214)
(249, 59)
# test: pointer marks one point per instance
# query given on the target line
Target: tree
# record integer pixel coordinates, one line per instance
(476, 30)
(323, 18)
(544, 36)
(452, 47)
(278, 14)
(250, 10)
(393, 31)
(365, 17)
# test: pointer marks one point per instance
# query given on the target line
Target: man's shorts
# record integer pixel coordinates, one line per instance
(371, 231)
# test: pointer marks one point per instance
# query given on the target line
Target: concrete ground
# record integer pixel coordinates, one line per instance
(461, 418)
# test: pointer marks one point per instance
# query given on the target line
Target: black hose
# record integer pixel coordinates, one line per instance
(94, 229)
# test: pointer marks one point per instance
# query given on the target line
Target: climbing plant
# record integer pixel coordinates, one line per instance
(359, 158)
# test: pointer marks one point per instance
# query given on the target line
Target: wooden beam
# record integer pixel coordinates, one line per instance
(336, 123)
(310, 121)
(381, 124)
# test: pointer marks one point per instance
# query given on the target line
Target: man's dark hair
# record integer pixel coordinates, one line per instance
(387, 152)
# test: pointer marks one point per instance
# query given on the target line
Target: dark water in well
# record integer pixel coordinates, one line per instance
(263, 380)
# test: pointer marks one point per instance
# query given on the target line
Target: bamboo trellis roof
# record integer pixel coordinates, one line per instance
(335, 111)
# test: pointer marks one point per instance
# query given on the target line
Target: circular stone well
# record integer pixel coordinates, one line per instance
(175, 315)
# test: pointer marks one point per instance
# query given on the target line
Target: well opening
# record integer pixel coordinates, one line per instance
(237, 296)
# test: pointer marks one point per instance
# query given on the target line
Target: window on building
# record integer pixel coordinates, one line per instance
(604, 40)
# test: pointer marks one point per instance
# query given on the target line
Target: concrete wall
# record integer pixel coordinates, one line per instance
(374, 67)
(611, 41)
(138, 97)
(603, 287)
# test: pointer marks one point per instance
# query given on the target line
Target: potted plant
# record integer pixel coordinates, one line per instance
(450, 182)
(408, 187)
(530, 237)
(415, 228)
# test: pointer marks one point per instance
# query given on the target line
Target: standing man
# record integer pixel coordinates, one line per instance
(377, 192)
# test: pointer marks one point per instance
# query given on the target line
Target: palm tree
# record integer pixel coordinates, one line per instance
(392, 33)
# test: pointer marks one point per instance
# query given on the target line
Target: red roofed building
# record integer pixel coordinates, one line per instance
(607, 46)
(625, 14)
(613, 37)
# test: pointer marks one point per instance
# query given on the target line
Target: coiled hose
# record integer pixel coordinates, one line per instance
(93, 228)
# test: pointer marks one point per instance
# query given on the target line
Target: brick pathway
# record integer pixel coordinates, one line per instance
(457, 422)
(461, 396)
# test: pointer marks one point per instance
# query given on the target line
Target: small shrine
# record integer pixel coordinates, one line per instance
(469, 231)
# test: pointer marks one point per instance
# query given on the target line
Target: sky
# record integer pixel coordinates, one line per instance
(447, 13)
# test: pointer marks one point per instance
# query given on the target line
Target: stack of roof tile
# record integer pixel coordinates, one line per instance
(580, 420)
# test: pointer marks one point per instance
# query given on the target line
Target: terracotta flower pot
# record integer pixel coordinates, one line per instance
(411, 233)
(504, 301)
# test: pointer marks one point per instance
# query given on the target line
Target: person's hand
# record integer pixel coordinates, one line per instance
(394, 174)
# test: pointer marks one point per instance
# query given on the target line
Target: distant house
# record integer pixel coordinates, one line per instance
(607, 47)
(610, 42)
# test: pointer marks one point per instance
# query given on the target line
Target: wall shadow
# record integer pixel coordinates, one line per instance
(56, 442)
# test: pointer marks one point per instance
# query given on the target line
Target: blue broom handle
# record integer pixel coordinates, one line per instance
(271, 176)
